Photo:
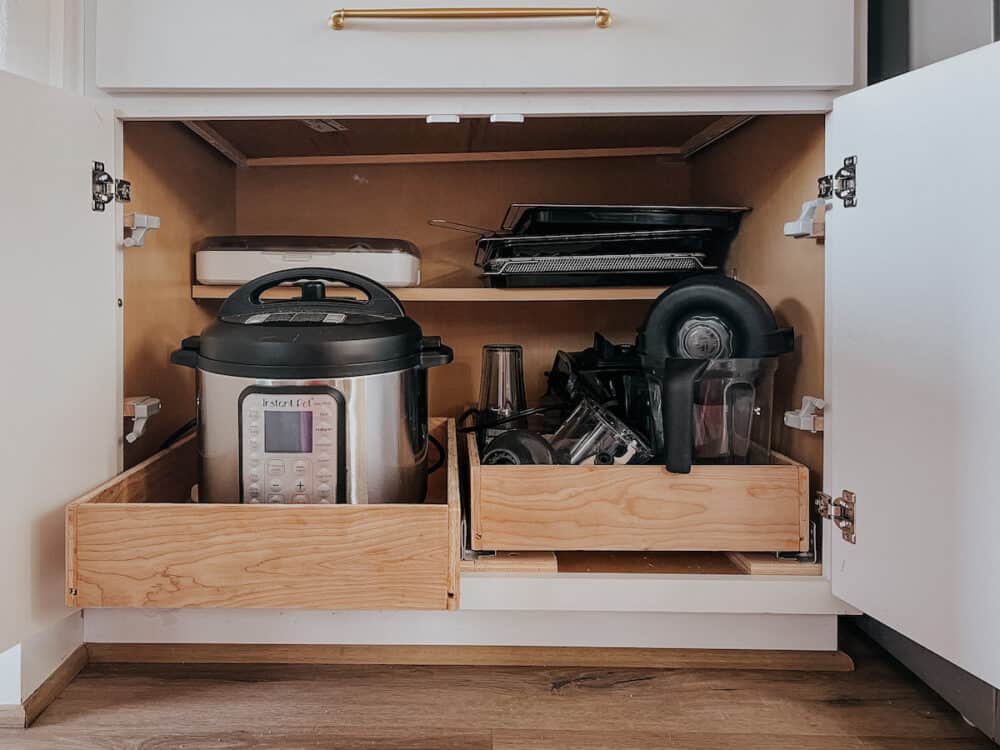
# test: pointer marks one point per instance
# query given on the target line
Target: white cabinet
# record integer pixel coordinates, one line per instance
(263, 46)
(912, 316)
(911, 304)
(61, 422)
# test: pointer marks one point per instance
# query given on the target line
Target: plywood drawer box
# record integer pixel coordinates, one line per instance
(130, 543)
(714, 508)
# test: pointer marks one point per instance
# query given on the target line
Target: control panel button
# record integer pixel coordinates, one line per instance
(253, 473)
(323, 457)
(253, 414)
(301, 467)
(324, 490)
(275, 485)
(276, 498)
(275, 468)
(300, 485)
(253, 428)
(324, 472)
(324, 440)
(300, 499)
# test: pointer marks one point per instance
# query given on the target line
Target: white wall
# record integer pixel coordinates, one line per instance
(945, 28)
(43, 40)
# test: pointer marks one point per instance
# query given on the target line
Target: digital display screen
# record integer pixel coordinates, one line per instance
(288, 431)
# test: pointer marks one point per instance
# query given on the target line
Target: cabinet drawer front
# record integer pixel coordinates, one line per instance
(314, 557)
(148, 45)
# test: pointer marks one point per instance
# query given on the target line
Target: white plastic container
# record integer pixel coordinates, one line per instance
(239, 259)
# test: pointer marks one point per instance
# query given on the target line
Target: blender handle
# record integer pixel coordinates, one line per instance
(380, 301)
(679, 377)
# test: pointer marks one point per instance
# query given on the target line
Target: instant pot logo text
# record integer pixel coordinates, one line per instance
(287, 403)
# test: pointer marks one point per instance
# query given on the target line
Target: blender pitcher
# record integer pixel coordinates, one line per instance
(716, 411)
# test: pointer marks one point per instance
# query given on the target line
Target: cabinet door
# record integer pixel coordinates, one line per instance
(233, 45)
(913, 353)
(61, 416)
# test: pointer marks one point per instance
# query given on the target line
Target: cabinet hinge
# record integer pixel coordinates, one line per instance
(104, 188)
(843, 184)
(840, 510)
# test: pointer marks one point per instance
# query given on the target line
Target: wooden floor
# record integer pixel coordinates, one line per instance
(879, 706)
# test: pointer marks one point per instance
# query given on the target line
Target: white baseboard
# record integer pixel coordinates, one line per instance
(35, 671)
(26, 665)
(10, 676)
(45, 651)
(464, 628)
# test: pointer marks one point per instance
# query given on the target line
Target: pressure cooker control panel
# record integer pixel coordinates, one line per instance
(291, 446)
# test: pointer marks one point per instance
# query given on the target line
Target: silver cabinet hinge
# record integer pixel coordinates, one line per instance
(104, 188)
(843, 184)
(840, 510)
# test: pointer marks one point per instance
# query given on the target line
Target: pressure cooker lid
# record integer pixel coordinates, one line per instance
(312, 336)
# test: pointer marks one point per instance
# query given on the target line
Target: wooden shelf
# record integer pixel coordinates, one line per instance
(463, 294)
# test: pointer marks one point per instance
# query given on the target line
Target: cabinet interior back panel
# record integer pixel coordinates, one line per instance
(772, 165)
(397, 201)
(192, 188)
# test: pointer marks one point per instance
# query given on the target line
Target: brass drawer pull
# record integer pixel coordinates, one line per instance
(601, 16)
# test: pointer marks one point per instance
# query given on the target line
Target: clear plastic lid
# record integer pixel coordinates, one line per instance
(304, 244)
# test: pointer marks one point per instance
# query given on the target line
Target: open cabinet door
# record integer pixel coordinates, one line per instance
(61, 415)
(913, 356)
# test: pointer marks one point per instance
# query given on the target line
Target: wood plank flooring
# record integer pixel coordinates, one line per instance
(880, 706)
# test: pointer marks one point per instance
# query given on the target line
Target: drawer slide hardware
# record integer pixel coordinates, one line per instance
(807, 418)
(842, 185)
(840, 510)
(810, 556)
(140, 409)
(136, 226)
(104, 188)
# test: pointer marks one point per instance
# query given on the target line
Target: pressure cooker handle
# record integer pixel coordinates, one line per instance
(187, 355)
(679, 377)
(380, 301)
(433, 353)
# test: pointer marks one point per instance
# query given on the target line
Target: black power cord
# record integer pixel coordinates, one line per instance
(440, 459)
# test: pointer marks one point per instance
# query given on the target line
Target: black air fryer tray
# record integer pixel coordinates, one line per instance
(549, 245)
(554, 218)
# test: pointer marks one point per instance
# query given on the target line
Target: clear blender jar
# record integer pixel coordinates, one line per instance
(715, 411)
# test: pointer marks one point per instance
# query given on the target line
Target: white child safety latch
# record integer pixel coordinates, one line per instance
(811, 222)
(140, 409)
(807, 417)
(136, 226)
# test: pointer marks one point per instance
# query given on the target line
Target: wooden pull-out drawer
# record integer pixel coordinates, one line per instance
(712, 509)
(127, 545)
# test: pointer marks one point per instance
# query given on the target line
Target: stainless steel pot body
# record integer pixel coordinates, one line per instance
(384, 433)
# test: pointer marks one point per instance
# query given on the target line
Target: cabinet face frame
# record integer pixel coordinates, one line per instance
(728, 547)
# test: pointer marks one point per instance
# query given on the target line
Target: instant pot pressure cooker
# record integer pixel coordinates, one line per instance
(314, 399)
